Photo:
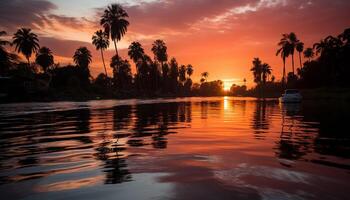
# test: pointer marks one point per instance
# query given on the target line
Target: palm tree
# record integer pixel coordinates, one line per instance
(309, 53)
(82, 57)
(136, 52)
(265, 71)
(26, 42)
(159, 50)
(182, 73)
(101, 42)
(189, 70)
(300, 48)
(293, 41)
(44, 58)
(257, 70)
(115, 23)
(204, 76)
(245, 81)
(284, 51)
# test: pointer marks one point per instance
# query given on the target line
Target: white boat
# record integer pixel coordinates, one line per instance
(291, 96)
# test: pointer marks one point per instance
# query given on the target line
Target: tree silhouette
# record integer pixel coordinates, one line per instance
(284, 51)
(82, 57)
(115, 23)
(293, 41)
(257, 70)
(182, 73)
(265, 71)
(300, 48)
(121, 73)
(136, 52)
(101, 42)
(309, 53)
(26, 42)
(159, 50)
(44, 58)
(189, 70)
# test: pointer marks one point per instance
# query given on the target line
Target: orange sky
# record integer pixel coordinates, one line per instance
(218, 36)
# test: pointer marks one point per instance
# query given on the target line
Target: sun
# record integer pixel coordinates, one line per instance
(227, 84)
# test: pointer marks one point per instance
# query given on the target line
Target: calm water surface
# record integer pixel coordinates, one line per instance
(192, 148)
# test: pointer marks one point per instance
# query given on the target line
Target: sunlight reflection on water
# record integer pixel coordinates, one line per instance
(184, 148)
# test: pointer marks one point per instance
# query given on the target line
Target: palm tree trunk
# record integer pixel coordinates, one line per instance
(284, 71)
(103, 60)
(301, 66)
(293, 63)
(115, 46)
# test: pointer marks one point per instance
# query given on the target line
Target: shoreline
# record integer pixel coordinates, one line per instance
(308, 94)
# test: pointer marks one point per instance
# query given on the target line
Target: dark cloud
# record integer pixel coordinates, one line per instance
(23, 13)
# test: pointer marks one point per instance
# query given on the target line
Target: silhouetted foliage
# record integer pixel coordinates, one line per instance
(101, 42)
(26, 42)
(44, 58)
(115, 23)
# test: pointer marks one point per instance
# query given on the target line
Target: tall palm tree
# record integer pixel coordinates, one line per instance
(136, 52)
(265, 71)
(115, 23)
(284, 51)
(300, 48)
(257, 70)
(26, 42)
(159, 50)
(293, 41)
(44, 58)
(82, 57)
(189, 70)
(101, 42)
(309, 53)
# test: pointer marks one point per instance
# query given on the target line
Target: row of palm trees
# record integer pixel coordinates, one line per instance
(289, 43)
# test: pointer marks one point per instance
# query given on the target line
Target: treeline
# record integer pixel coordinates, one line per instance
(43, 78)
(326, 65)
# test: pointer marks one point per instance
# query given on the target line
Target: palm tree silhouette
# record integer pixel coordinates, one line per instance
(82, 57)
(204, 76)
(284, 51)
(265, 71)
(136, 52)
(300, 48)
(101, 42)
(293, 41)
(159, 50)
(257, 70)
(44, 58)
(189, 70)
(114, 22)
(182, 73)
(26, 42)
(309, 53)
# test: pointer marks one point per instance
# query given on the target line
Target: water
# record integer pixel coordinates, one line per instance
(191, 148)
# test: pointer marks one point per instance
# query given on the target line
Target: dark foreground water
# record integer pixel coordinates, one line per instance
(195, 148)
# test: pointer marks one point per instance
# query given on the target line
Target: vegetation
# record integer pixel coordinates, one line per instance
(327, 65)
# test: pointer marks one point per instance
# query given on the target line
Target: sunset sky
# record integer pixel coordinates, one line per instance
(218, 36)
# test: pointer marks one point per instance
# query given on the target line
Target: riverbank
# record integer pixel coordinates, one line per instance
(341, 94)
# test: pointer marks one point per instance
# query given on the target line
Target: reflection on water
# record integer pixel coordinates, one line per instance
(221, 148)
